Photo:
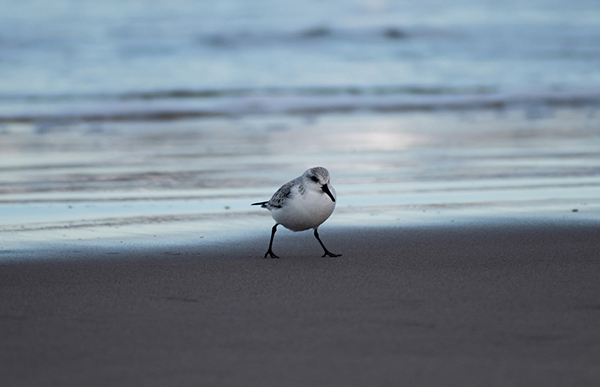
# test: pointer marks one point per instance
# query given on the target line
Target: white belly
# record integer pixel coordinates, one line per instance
(304, 211)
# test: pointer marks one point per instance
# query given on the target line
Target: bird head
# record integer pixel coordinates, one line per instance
(317, 179)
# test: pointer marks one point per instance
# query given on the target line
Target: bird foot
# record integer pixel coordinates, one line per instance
(330, 254)
(270, 254)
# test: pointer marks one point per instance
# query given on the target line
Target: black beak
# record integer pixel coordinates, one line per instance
(325, 189)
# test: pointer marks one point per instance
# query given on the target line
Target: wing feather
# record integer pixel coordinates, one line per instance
(282, 194)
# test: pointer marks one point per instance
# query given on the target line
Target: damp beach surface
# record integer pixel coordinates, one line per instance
(510, 303)
(190, 181)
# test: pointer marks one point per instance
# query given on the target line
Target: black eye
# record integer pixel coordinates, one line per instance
(314, 178)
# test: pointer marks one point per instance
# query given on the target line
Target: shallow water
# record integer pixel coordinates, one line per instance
(187, 179)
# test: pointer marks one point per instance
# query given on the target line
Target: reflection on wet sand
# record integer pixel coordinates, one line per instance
(101, 175)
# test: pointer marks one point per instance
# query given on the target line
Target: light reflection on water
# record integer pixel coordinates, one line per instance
(192, 171)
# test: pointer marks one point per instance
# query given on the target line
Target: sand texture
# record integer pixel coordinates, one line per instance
(507, 304)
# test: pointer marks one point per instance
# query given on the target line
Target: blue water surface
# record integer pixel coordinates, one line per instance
(75, 47)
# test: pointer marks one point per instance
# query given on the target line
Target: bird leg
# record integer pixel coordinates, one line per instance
(327, 252)
(270, 252)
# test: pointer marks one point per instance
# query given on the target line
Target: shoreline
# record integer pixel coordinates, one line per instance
(128, 176)
(205, 232)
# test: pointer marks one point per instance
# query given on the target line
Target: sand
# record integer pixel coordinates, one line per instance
(487, 304)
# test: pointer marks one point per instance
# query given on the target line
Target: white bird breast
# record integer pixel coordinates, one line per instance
(302, 212)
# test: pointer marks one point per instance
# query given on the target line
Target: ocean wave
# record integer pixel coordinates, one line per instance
(229, 39)
(184, 104)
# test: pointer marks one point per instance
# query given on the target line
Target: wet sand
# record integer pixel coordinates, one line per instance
(491, 303)
(94, 176)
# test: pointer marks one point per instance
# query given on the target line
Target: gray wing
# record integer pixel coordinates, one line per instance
(282, 194)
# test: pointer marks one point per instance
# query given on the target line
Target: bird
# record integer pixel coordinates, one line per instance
(301, 204)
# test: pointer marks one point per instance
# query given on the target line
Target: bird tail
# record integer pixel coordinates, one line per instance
(262, 204)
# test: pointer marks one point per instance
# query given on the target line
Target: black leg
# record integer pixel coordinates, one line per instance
(270, 252)
(327, 252)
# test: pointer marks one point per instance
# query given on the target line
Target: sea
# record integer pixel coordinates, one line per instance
(173, 113)
(90, 60)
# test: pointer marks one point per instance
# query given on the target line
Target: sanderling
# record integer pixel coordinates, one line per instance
(303, 203)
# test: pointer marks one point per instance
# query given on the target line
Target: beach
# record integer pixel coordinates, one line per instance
(462, 139)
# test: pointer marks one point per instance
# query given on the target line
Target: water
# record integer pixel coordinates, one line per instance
(130, 121)
(195, 177)
(115, 59)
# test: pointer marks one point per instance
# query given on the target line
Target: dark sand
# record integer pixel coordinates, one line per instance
(511, 304)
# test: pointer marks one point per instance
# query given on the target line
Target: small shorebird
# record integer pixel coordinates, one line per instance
(303, 203)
